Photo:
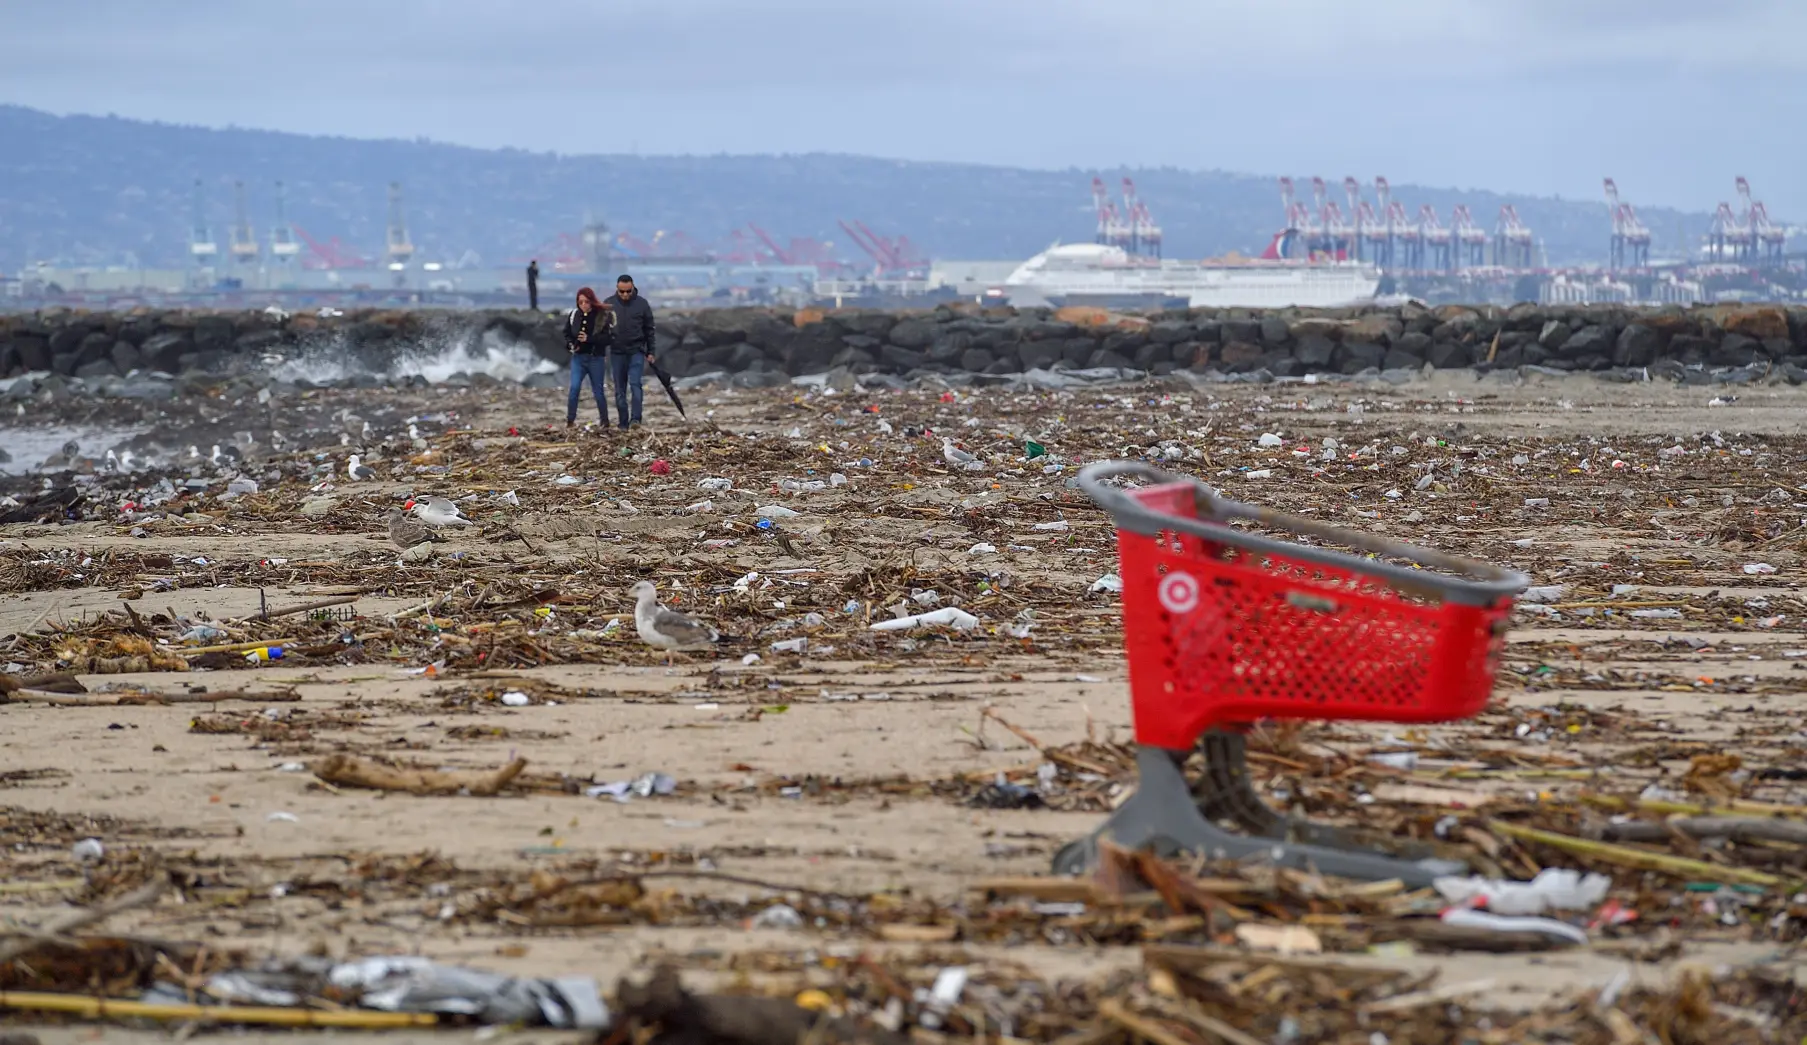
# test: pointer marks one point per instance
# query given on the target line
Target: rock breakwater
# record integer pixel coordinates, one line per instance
(149, 354)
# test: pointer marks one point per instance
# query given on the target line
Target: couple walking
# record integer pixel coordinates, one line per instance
(614, 338)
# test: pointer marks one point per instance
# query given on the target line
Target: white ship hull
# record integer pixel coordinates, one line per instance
(1083, 272)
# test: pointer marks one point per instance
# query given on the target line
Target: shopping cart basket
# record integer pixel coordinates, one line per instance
(1225, 625)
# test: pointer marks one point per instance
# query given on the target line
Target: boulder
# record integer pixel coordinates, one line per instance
(1329, 329)
(1169, 333)
(95, 370)
(745, 356)
(1398, 358)
(856, 359)
(1736, 350)
(1376, 328)
(1274, 331)
(1552, 335)
(1589, 340)
(1447, 355)
(1756, 323)
(1243, 330)
(901, 359)
(1152, 352)
(1104, 357)
(365, 333)
(1416, 342)
(63, 340)
(138, 331)
(951, 346)
(871, 322)
(257, 341)
(864, 341)
(33, 351)
(1637, 346)
(976, 360)
(164, 351)
(1352, 357)
(1040, 355)
(125, 357)
(1314, 351)
(1238, 356)
(913, 333)
(1125, 342)
(217, 332)
(1689, 349)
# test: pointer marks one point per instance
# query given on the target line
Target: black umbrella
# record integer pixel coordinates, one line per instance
(665, 379)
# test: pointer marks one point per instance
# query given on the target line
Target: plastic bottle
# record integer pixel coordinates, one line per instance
(263, 653)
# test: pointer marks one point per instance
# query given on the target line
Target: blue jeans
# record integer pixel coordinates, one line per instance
(594, 367)
(629, 368)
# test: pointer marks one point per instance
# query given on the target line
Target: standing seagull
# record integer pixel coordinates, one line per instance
(959, 458)
(666, 629)
(405, 533)
(437, 511)
(357, 471)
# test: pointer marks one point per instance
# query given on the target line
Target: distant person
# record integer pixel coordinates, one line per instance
(533, 284)
(633, 349)
(587, 339)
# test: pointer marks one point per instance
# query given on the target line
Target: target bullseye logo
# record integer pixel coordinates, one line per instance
(1179, 593)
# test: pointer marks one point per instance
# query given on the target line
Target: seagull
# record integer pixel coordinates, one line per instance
(357, 472)
(959, 458)
(405, 533)
(414, 437)
(437, 511)
(214, 458)
(666, 629)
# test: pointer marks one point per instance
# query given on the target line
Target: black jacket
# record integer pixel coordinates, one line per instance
(633, 324)
(597, 322)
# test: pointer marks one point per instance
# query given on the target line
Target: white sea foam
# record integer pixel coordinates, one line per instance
(433, 358)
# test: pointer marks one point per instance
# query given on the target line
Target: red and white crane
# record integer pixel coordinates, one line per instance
(1392, 223)
(1101, 204)
(1297, 216)
(1438, 241)
(893, 259)
(1353, 190)
(1767, 241)
(1471, 237)
(1406, 234)
(1630, 243)
(1512, 240)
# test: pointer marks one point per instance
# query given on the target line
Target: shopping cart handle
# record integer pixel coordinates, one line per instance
(1475, 582)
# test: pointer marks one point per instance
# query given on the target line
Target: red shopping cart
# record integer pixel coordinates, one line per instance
(1225, 624)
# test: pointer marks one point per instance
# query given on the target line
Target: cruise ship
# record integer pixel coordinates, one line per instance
(1103, 274)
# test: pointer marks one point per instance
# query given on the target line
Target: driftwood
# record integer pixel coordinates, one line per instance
(1736, 828)
(109, 700)
(348, 771)
(143, 896)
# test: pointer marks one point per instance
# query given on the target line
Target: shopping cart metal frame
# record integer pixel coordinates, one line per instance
(1203, 597)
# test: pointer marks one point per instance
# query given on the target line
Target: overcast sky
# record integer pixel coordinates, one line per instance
(1674, 98)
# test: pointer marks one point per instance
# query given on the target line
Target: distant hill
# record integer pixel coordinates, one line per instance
(103, 190)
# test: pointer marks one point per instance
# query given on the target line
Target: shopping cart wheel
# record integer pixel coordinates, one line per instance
(1226, 793)
(1162, 814)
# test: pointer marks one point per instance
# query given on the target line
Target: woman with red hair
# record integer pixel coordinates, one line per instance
(588, 330)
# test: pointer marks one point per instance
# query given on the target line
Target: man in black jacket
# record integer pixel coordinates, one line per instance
(533, 284)
(632, 349)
